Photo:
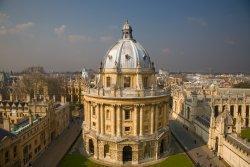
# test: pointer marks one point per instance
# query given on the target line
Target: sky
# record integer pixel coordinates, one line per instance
(67, 35)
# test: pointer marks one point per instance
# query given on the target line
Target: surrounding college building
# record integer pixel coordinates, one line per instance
(28, 127)
(217, 115)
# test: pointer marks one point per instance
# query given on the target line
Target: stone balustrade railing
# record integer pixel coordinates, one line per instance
(127, 92)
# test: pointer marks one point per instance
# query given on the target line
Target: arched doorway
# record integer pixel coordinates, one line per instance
(127, 154)
(162, 146)
(91, 147)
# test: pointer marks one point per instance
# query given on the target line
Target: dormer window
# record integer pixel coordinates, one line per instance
(145, 82)
(108, 82)
(127, 81)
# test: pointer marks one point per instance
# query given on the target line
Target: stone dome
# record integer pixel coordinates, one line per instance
(127, 53)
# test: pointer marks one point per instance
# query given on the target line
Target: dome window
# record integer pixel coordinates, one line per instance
(127, 56)
(110, 56)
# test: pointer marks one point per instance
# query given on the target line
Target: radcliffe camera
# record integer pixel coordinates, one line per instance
(124, 83)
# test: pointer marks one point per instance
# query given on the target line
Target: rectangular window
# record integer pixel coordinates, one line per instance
(108, 81)
(108, 128)
(127, 129)
(93, 112)
(232, 110)
(145, 82)
(146, 129)
(127, 114)
(159, 125)
(127, 81)
(15, 151)
(6, 156)
(247, 111)
(216, 111)
(160, 111)
(107, 114)
(94, 124)
(239, 110)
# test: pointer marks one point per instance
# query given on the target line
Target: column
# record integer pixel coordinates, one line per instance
(113, 121)
(98, 126)
(119, 120)
(156, 117)
(243, 114)
(156, 150)
(141, 120)
(152, 122)
(164, 114)
(136, 120)
(86, 114)
(90, 114)
(71, 98)
(102, 119)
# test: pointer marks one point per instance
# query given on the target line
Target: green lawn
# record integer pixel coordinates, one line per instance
(176, 160)
(245, 134)
(77, 160)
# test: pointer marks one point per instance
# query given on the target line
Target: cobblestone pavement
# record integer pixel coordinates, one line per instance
(59, 147)
(195, 147)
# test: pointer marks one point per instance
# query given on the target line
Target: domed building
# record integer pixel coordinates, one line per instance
(126, 114)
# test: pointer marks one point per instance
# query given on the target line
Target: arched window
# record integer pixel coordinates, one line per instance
(127, 154)
(163, 146)
(216, 111)
(91, 146)
(147, 150)
(106, 150)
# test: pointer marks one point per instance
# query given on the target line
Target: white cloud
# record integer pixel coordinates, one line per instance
(230, 41)
(3, 17)
(19, 28)
(79, 38)
(113, 27)
(106, 38)
(60, 31)
(197, 21)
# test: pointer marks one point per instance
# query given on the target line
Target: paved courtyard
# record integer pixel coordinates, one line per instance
(198, 151)
(59, 147)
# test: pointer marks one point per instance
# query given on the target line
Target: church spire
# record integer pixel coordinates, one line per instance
(127, 31)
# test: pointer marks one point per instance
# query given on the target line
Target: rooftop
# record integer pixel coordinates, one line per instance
(4, 133)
